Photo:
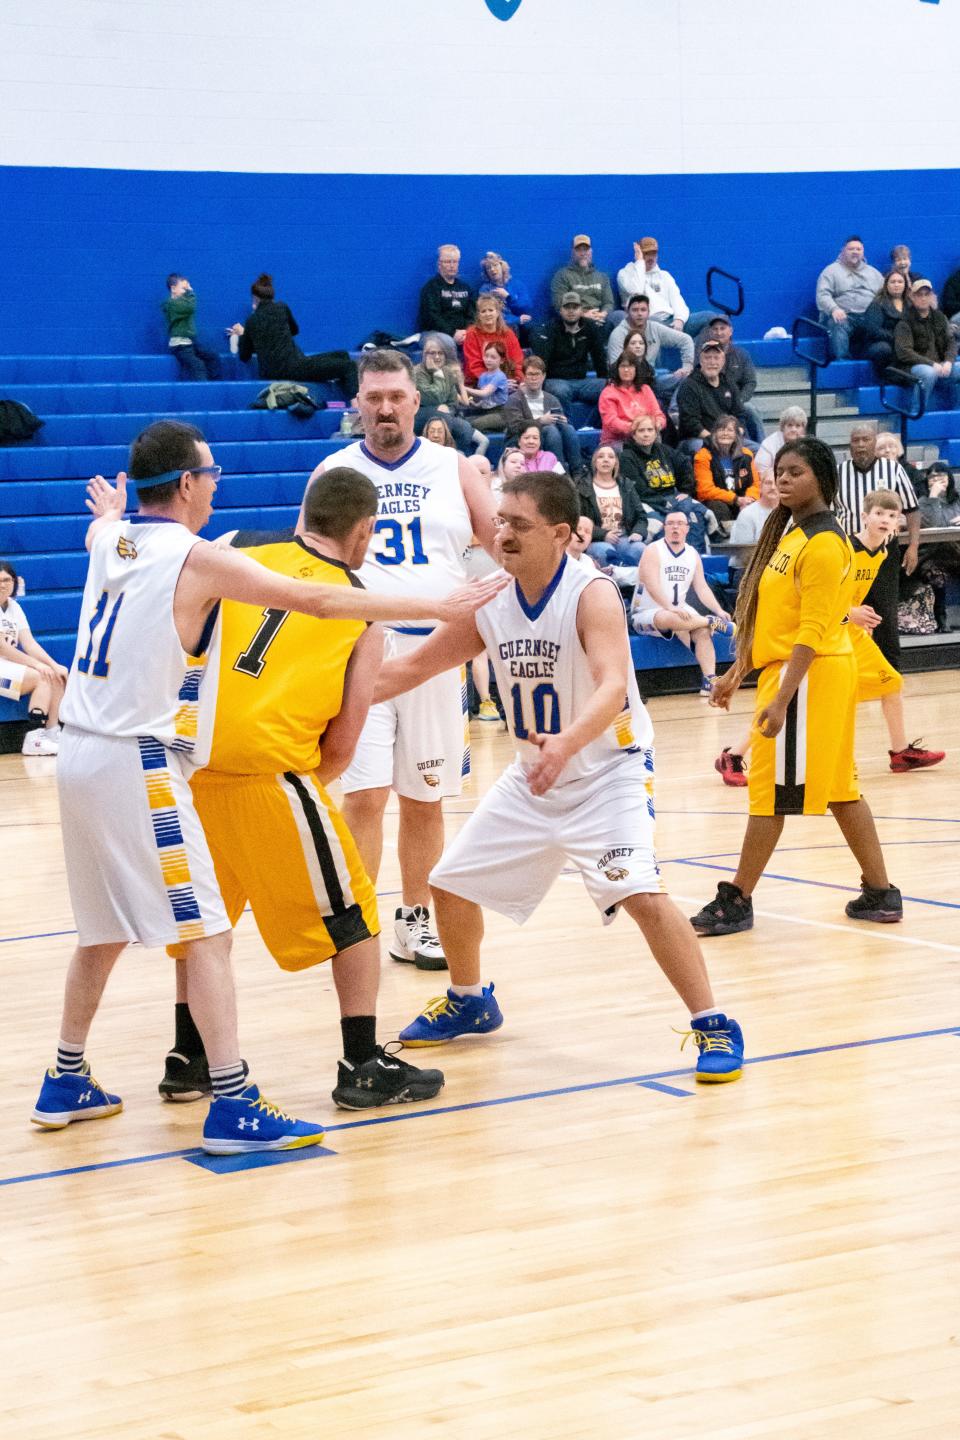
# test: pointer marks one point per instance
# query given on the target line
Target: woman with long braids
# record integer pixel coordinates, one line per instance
(791, 626)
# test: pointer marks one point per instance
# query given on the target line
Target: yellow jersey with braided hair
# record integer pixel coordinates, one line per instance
(277, 678)
(866, 567)
(805, 592)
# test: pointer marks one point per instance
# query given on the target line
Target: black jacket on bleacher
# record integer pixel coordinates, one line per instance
(568, 356)
(268, 334)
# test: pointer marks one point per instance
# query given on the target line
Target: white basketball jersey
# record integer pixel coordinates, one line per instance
(12, 621)
(423, 525)
(130, 675)
(677, 569)
(544, 677)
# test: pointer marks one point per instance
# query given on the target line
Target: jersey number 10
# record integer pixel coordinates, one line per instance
(546, 711)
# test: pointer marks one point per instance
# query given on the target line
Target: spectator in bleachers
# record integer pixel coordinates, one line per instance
(873, 337)
(446, 302)
(27, 669)
(657, 337)
(901, 260)
(512, 294)
(438, 430)
(925, 343)
(530, 445)
(489, 325)
(180, 310)
(530, 403)
(659, 474)
(950, 300)
(569, 346)
(490, 392)
(619, 521)
(509, 466)
(793, 424)
(725, 475)
(706, 395)
(268, 333)
(738, 367)
(941, 504)
(591, 285)
(643, 276)
(889, 446)
(439, 382)
(581, 537)
(628, 393)
(844, 290)
(752, 518)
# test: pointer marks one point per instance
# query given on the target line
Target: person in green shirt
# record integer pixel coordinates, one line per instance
(180, 310)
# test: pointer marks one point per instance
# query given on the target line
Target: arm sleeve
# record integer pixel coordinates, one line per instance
(294, 327)
(826, 301)
(607, 301)
(684, 343)
(903, 345)
(821, 570)
(429, 317)
(905, 490)
(597, 353)
(748, 382)
(472, 356)
(681, 310)
(688, 407)
(246, 348)
(707, 488)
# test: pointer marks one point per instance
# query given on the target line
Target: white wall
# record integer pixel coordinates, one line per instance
(405, 86)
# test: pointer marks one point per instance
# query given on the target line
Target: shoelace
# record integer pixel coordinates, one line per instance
(440, 1005)
(269, 1108)
(719, 1040)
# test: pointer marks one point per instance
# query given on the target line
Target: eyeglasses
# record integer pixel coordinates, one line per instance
(214, 471)
(518, 526)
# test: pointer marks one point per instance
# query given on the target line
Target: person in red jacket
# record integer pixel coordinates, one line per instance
(489, 322)
(624, 398)
(725, 474)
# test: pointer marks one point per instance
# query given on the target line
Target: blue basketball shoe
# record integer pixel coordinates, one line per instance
(450, 1016)
(720, 1042)
(67, 1096)
(236, 1124)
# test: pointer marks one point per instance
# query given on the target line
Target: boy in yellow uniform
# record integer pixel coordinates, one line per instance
(279, 717)
(876, 677)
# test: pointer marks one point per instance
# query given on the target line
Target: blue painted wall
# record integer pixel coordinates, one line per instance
(84, 252)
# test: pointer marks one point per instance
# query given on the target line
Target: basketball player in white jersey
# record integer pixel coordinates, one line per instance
(669, 569)
(580, 791)
(138, 865)
(431, 501)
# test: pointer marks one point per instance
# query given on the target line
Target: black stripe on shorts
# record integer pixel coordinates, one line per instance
(345, 924)
(788, 798)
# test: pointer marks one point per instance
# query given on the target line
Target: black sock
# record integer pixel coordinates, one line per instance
(37, 719)
(359, 1037)
(187, 1037)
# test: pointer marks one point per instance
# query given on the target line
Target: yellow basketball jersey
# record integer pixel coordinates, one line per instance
(805, 592)
(280, 675)
(866, 564)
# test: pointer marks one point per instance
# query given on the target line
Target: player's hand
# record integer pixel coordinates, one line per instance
(62, 672)
(865, 616)
(468, 599)
(724, 689)
(47, 673)
(554, 754)
(771, 719)
(105, 500)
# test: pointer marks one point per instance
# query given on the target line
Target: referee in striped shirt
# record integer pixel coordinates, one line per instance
(864, 472)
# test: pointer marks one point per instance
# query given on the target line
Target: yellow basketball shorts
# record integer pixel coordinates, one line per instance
(876, 677)
(279, 842)
(810, 764)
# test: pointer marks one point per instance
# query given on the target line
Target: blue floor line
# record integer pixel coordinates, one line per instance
(397, 1117)
(820, 884)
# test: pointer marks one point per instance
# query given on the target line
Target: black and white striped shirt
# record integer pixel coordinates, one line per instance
(856, 484)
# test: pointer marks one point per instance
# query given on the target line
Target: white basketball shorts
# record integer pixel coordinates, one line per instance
(515, 844)
(138, 865)
(643, 616)
(12, 677)
(418, 743)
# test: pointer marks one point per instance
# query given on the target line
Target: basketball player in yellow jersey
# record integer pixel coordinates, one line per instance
(792, 626)
(289, 704)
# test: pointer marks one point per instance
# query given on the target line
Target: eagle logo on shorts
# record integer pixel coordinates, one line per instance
(432, 780)
(126, 549)
(616, 873)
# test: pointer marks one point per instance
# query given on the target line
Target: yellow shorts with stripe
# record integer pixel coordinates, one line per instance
(279, 842)
(876, 677)
(810, 764)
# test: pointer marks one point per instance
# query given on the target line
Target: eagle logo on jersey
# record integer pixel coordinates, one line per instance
(126, 549)
(617, 873)
(432, 780)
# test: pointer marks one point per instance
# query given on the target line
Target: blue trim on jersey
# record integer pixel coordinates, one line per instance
(533, 612)
(206, 635)
(153, 519)
(389, 464)
(675, 553)
(412, 629)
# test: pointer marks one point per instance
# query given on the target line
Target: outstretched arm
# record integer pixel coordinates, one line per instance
(107, 504)
(340, 738)
(449, 646)
(602, 630)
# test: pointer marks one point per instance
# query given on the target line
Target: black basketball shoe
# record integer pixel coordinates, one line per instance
(383, 1080)
(729, 913)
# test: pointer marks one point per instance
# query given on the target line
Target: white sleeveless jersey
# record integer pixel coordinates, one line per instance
(677, 569)
(423, 525)
(544, 677)
(130, 675)
(12, 621)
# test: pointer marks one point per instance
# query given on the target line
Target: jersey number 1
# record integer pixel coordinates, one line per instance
(252, 661)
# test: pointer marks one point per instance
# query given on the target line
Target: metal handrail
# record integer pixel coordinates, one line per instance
(720, 304)
(900, 380)
(815, 356)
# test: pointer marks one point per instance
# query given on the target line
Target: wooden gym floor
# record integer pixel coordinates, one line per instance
(563, 1245)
